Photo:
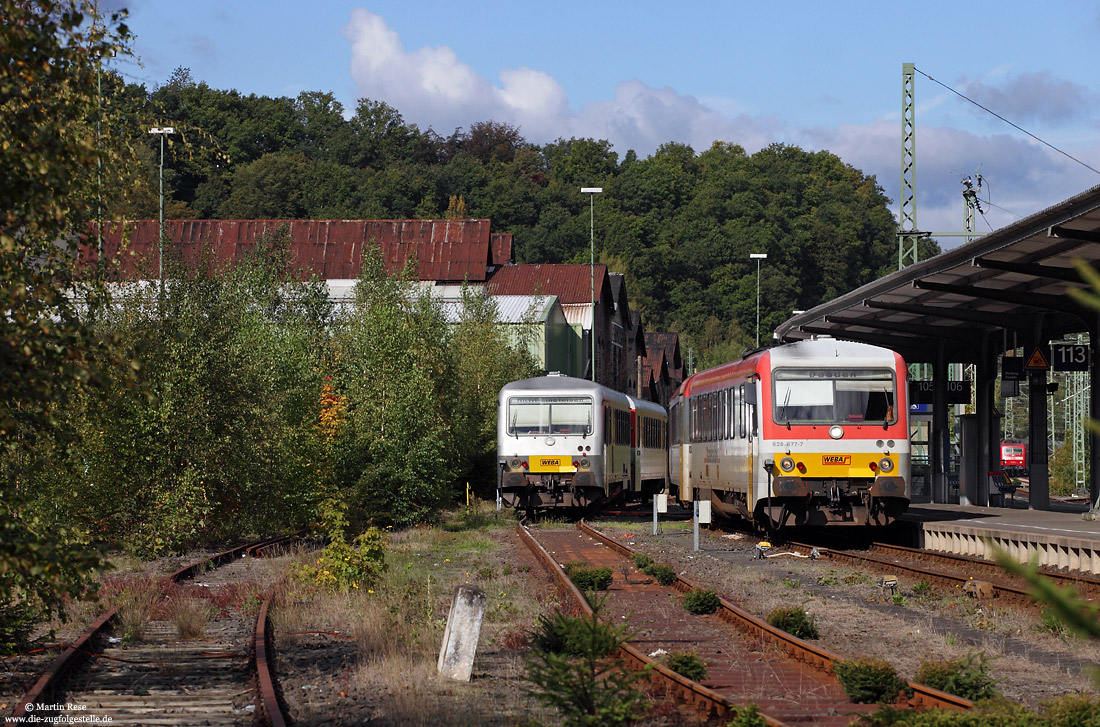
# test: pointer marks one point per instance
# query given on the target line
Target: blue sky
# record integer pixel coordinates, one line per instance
(818, 75)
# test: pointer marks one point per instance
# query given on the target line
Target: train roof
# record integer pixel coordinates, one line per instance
(559, 383)
(824, 348)
(568, 384)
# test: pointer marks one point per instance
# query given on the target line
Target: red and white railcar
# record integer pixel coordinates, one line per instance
(807, 433)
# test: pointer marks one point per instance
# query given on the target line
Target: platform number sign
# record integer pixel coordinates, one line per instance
(1069, 356)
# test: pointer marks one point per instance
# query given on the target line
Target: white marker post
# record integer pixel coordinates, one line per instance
(660, 505)
(702, 517)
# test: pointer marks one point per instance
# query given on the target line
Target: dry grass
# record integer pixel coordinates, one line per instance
(387, 671)
(137, 599)
(189, 615)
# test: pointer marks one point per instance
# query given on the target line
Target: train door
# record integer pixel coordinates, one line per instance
(749, 431)
(636, 423)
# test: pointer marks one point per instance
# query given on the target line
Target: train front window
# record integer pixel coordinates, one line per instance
(834, 396)
(539, 415)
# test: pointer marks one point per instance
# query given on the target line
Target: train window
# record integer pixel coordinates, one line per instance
(722, 409)
(539, 415)
(741, 411)
(834, 396)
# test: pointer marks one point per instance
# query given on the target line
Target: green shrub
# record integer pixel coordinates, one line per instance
(795, 621)
(582, 683)
(990, 714)
(867, 681)
(747, 717)
(567, 635)
(922, 589)
(1051, 623)
(965, 676)
(642, 561)
(587, 578)
(686, 664)
(663, 574)
(828, 579)
(1072, 710)
(343, 566)
(699, 601)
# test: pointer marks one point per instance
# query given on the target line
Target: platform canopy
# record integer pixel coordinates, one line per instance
(1011, 283)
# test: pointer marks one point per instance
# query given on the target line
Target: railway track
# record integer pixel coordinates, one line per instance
(749, 661)
(161, 678)
(983, 578)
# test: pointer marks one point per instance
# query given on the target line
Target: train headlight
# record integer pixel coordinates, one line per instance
(836, 431)
(886, 464)
(515, 463)
(584, 463)
(786, 464)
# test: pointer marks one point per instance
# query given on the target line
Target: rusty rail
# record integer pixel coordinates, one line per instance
(270, 706)
(706, 701)
(923, 696)
(80, 650)
(1015, 594)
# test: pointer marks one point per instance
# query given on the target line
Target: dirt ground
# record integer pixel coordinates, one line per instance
(369, 658)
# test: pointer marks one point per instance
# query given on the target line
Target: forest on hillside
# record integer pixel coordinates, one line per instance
(680, 224)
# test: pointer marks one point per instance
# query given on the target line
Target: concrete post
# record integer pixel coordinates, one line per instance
(456, 656)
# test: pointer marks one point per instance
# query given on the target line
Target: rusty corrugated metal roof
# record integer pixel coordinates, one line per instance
(571, 283)
(502, 246)
(446, 250)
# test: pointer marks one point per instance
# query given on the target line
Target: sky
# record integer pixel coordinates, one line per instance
(816, 75)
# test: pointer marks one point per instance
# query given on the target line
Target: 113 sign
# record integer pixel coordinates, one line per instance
(1069, 356)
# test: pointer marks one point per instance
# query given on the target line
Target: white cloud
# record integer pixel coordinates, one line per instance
(433, 88)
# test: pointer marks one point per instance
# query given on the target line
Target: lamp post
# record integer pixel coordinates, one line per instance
(161, 131)
(592, 192)
(758, 256)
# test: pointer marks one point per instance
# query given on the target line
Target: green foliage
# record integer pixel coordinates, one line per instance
(1050, 623)
(587, 687)
(395, 456)
(687, 664)
(344, 566)
(587, 578)
(867, 681)
(795, 621)
(998, 714)
(570, 636)
(220, 437)
(680, 224)
(1063, 472)
(642, 561)
(56, 176)
(665, 575)
(1072, 710)
(700, 601)
(922, 589)
(747, 717)
(966, 677)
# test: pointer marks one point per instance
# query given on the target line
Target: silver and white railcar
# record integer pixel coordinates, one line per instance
(567, 442)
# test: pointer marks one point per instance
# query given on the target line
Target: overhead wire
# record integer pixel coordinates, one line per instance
(1015, 126)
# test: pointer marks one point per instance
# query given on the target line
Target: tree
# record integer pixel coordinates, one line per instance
(396, 457)
(49, 194)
